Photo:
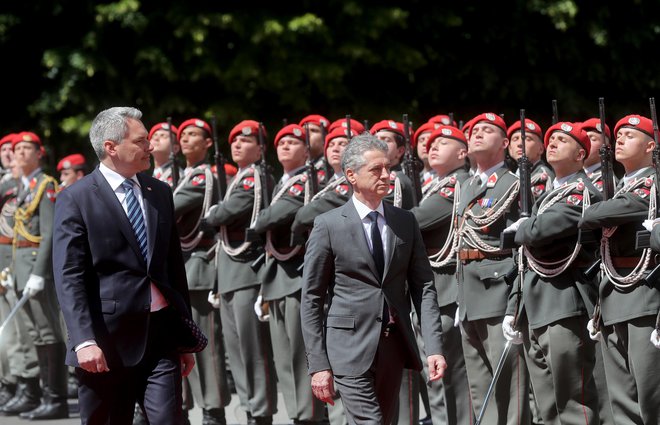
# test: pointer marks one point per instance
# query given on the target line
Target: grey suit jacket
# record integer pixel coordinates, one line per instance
(339, 265)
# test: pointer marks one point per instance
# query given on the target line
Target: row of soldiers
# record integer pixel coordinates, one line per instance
(244, 256)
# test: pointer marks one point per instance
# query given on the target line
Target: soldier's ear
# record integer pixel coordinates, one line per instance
(582, 155)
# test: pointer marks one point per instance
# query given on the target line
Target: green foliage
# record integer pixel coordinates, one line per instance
(371, 59)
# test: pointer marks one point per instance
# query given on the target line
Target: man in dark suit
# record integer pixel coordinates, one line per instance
(363, 342)
(120, 280)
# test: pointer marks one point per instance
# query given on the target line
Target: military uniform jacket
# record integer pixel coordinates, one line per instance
(164, 173)
(483, 293)
(34, 225)
(596, 177)
(323, 171)
(434, 216)
(282, 278)
(336, 193)
(188, 208)
(235, 214)
(9, 191)
(626, 210)
(541, 177)
(552, 236)
(398, 179)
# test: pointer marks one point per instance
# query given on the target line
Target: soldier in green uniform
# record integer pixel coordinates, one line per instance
(160, 137)
(401, 188)
(541, 174)
(558, 298)
(336, 192)
(193, 197)
(18, 357)
(33, 275)
(488, 204)
(318, 129)
(281, 282)
(592, 165)
(629, 304)
(436, 214)
(247, 339)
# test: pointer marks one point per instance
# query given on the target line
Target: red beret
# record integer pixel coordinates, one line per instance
(442, 120)
(196, 122)
(575, 130)
(230, 170)
(75, 161)
(387, 125)
(246, 128)
(467, 126)
(293, 130)
(448, 131)
(337, 132)
(530, 127)
(637, 122)
(490, 118)
(8, 138)
(426, 127)
(356, 126)
(162, 126)
(319, 120)
(26, 136)
(594, 124)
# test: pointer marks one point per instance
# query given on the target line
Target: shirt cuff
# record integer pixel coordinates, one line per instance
(84, 344)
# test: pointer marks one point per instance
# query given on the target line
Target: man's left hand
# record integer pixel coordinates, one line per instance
(437, 366)
(187, 363)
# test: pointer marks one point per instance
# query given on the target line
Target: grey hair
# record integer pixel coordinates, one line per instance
(353, 156)
(110, 124)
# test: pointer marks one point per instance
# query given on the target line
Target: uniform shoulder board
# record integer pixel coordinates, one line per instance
(248, 183)
(342, 189)
(447, 192)
(198, 180)
(574, 199)
(296, 190)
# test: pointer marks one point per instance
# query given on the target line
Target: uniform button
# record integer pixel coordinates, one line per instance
(496, 274)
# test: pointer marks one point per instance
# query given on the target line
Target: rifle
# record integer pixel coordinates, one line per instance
(606, 161)
(175, 166)
(219, 162)
(644, 237)
(555, 113)
(311, 168)
(410, 165)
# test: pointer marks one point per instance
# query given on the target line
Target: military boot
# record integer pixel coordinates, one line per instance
(54, 375)
(26, 397)
(7, 391)
(213, 417)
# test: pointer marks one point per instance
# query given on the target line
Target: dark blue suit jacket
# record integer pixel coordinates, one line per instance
(102, 280)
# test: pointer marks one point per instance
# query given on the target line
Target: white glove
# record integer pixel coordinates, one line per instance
(6, 279)
(208, 213)
(514, 227)
(510, 334)
(648, 224)
(34, 285)
(457, 318)
(596, 336)
(259, 311)
(655, 338)
(214, 300)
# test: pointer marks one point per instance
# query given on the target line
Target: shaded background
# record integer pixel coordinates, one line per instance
(64, 61)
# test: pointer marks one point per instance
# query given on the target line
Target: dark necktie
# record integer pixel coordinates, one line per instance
(135, 217)
(377, 244)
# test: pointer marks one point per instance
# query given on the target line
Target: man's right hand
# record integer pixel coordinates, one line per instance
(92, 360)
(323, 386)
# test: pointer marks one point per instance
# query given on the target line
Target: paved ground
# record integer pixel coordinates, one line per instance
(234, 413)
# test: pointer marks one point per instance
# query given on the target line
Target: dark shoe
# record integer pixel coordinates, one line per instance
(50, 408)
(26, 398)
(186, 419)
(7, 392)
(138, 416)
(259, 420)
(426, 421)
(213, 417)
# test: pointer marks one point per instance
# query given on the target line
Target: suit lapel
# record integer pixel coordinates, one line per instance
(105, 193)
(393, 238)
(152, 215)
(356, 230)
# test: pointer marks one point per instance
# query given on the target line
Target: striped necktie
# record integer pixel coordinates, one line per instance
(135, 217)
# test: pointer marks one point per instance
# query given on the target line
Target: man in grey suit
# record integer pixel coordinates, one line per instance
(363, 342)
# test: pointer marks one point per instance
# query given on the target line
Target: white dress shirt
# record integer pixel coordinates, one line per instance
(363, 212)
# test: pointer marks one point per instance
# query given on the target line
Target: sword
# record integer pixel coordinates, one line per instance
(498, 371)
(14, 311)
